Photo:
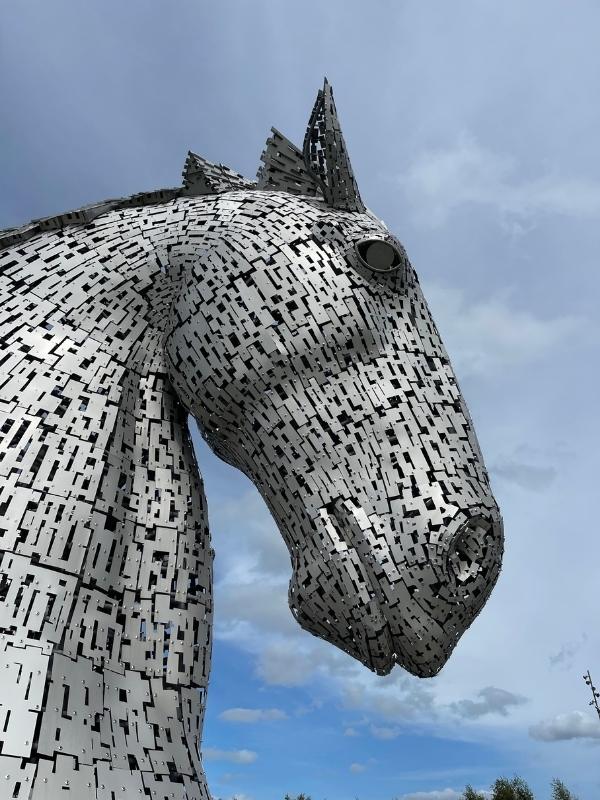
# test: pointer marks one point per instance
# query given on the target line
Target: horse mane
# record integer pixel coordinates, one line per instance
(200, 177)
(321, 169)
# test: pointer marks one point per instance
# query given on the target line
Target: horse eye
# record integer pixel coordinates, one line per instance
(378, 255)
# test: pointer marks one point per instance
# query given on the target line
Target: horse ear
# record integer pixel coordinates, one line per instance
(203, 177)
(326, 157)
(283, 168)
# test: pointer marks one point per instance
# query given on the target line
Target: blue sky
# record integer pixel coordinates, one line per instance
(473, 131)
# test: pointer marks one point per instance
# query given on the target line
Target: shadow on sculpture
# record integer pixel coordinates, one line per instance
(286, 318)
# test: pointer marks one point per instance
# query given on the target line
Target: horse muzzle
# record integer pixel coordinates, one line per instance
(407, 599)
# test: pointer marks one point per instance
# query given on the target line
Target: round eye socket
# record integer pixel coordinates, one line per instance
(378, 255)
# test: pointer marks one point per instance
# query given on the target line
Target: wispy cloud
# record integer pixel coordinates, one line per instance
(527, 476)
(384, 732)
(235, 756)
(308, 708)
(252, 714)
(573, 725)
(492, 701)
(356, 767)
(533, 468)
(467, 173)
(565, 655)
(484, 336)
(227, 777)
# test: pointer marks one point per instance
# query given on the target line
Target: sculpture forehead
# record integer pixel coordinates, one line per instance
(291, 236)
(279, 212)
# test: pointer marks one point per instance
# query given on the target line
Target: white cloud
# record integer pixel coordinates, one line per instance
(350, 732)
(400, 699)
(258, 551)
(235, 756)
(488, 335)
(294, 660)
(252, 714)
(265, 602)
(290, 659)
(279, 660)
(466, 173)
(573, 725)
(356, 767)
(280, 666)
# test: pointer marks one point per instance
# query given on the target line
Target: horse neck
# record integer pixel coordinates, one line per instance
(105, 559)
(99, 476)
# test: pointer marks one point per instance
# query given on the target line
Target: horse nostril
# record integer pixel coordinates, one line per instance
(470, 550)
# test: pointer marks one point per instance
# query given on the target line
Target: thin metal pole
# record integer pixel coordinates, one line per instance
(595, 694)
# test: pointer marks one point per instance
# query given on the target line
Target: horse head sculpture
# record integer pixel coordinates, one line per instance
(286, 318)
(302, 344)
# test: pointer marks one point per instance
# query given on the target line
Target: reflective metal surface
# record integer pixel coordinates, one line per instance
(322, 378)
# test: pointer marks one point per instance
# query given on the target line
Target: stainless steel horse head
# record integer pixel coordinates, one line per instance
(301, 342)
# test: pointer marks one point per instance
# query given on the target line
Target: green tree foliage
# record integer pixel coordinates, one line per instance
(471, 794)
(560, 791)
(513, 789)
(503, 789)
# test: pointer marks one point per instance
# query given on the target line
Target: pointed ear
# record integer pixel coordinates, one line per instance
(283, 168)
(326, 157)
(203, 177)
